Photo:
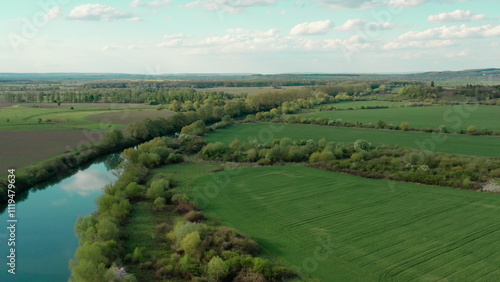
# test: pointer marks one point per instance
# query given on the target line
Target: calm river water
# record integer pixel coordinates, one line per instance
(45, 236)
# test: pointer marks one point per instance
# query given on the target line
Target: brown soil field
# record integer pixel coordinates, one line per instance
(126, 117)
(22, 148)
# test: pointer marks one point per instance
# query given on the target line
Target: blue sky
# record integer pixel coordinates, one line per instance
(248, 36)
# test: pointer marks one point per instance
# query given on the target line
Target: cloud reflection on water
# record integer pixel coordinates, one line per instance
(89, 181)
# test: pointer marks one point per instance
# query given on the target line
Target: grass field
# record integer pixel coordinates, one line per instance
(83, 116)
(338, 227)
(454, 117)
(358, 104)
(241, 90)
(266, 132)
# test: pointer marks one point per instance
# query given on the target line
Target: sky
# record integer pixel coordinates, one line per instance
(248, 36)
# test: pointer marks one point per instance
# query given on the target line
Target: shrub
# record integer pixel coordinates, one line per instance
(191, 242)
(194, 216)
(157, 189)
(362, 145)
(405, 126)
(217, 269)
(471, 129)
(380, 124)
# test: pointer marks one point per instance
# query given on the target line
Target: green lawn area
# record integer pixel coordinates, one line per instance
(358, 104)
(454, 117)
(450, 143)
(339, 227)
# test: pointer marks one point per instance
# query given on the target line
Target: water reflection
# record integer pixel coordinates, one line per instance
(86, 182)
(46, 225)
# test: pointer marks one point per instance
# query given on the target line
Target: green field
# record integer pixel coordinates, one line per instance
(454, 143)
(53, 117)
(242, 90)
(454, 117)
(373, 229)
(358, 104)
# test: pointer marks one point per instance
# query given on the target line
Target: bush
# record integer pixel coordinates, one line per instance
(191, 242)
(196, 128)
(362, 145)
(157, 189)
(405, 126)
(217, 269)
(194, 216)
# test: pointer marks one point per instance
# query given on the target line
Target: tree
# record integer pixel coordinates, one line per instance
(113, 138)
(362, 145)
(196, 128)
(138, 130)
(191, 242)
(107, 230)
(157, 189)
(432, 83)
(217, 268)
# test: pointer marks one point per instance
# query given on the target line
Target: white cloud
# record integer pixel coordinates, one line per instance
(152, 4)
(319, 27)
(87, 182)
(353, 43)
(54, 13)
(134, 47)
(176, 36)
(369, 4)
(418, 44)
(97, 12)
(244, 40)
(463, 53)
(134, 19)
(171, 43)
(455, 31)
(107, 48)
(359, 24)
(227, 6)
(455, 16)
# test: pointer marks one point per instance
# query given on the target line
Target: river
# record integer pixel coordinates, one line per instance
(44, 235)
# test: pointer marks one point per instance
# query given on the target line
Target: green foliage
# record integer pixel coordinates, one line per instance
(217, 269)
(456, 144)
(196, 128)
(362, 145)
(191, 243)
(405, 126)
(157, 188)
(182, 229)
(134, 190)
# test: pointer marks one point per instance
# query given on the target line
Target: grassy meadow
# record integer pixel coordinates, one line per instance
(337, 227)
(448, 143)
(358, 104)
(454, 117)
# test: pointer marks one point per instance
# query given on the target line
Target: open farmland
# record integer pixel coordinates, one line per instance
(126, 117)
(454, 117)
(244, 90)
(23, 148)
(358, 104)
(83, 116)
(364, 229)
(449, 143)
